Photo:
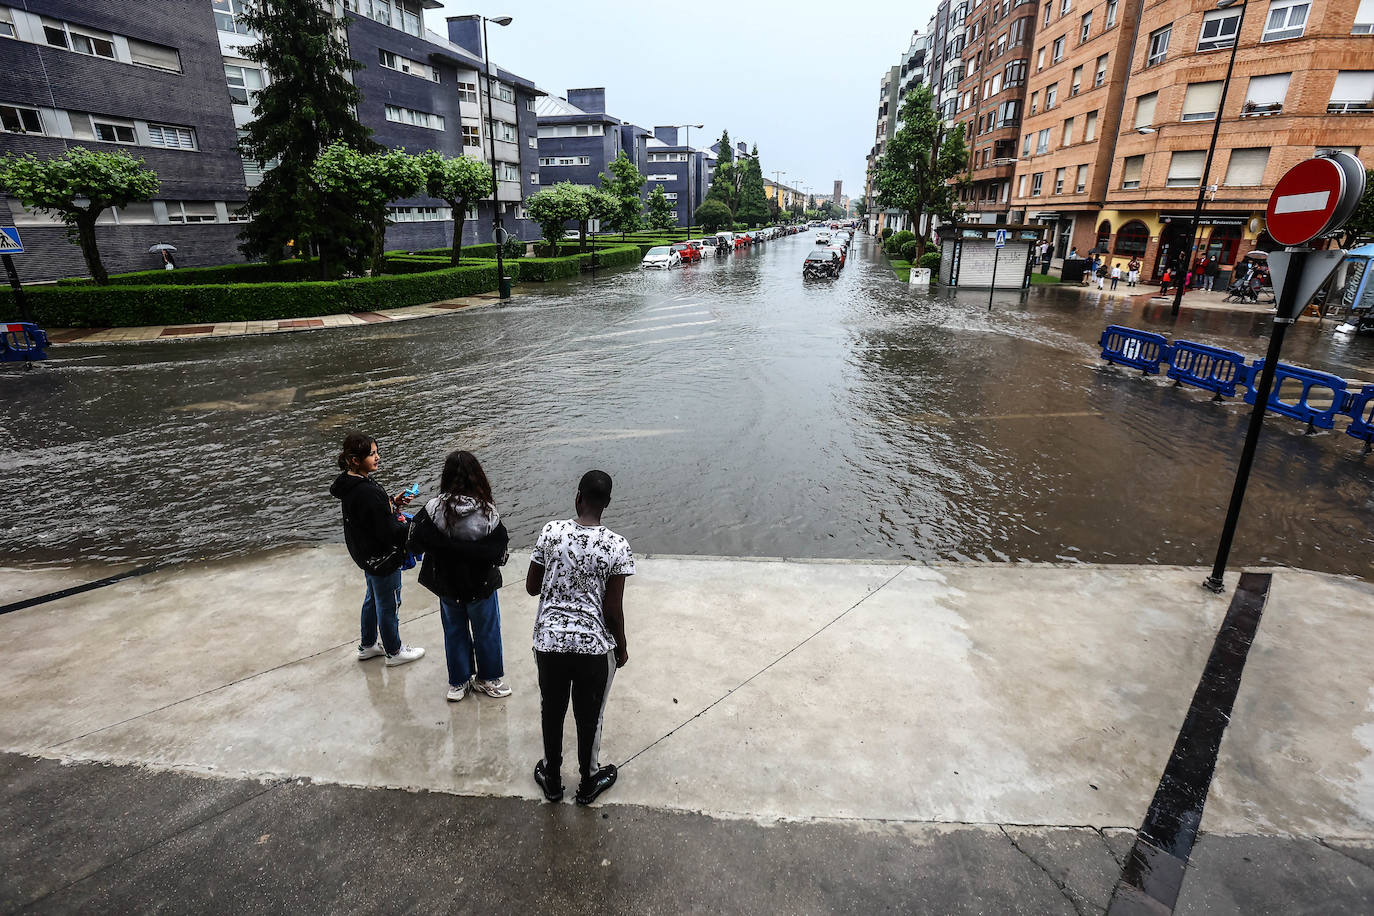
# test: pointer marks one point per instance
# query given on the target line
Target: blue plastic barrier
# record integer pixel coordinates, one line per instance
(1361, 411)
(22, 342)
(1137, 349)
(1309, 379)
(1209, 368)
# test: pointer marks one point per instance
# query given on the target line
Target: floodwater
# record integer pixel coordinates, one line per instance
(740, 411)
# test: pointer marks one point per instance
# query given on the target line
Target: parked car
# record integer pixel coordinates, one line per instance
(821, 262)
(822, 237)
(661, 256)
(727, 239)
(687, 252)
(709, 246)
(840, 249)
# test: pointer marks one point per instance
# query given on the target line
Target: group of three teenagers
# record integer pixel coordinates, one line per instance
(577, 568)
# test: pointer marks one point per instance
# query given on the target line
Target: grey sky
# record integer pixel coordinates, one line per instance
(800, 79)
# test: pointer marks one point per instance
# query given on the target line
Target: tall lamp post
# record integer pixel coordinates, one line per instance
(498, 231)
(777, 186)
(687, 172)
(1211, 150)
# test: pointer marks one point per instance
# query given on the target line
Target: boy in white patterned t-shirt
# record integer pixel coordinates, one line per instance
(578, 569)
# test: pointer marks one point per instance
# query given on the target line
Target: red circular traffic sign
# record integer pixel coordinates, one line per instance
(1305, 200)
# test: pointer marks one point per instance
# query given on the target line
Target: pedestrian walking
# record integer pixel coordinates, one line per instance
(1073, 253)
(1164, 282)
(1100, 271)
(376, 538)
(1116, 274)
(1133, 272)
(1209, 273)
(464, 543)
(578, 569)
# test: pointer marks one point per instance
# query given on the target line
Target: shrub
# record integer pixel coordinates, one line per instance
(886, 233)
(908, 250)
(253, 272)
(931, 259)
(125, 305)
(894, 243)
(514, 249)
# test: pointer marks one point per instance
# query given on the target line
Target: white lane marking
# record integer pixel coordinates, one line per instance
(1302, 203)
(640, 344)
(663, 327)
(611, 435)
(661, 317)
(361, 386)
(675, 308)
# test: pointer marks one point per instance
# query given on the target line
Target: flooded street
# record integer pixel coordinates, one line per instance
(741, 412)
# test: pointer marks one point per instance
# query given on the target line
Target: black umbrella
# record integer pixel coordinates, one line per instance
(1097, 251)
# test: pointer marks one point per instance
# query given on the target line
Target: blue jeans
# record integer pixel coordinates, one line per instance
(472, 628)
(380, 604)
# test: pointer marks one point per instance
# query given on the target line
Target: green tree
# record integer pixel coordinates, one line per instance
(358, 186)
(459, 181)
(861, 208)
(309, 104)
(725, 178)
(1361, 222)
(713, 216)
(601, 206)
(625, 184)
(753, 203)
(554, 207)
(914, 173)
(662, 214)
(77, 187)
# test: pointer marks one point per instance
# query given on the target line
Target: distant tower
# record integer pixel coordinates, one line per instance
(838, 185)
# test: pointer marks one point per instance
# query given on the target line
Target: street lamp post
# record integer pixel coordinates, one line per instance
(777, 186)
(498, 231)
(1211, 150)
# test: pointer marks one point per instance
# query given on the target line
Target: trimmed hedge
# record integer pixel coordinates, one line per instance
(540, 270)
(253, 272)
(893, 244)
(931, 259)
(908, 251)
(134, 306)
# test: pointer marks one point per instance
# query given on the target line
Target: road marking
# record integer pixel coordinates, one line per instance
(263, 400)
(1302, 203)
(360, 386)
(661, 317)
(674, 308)
(615, 434)
(665, 327)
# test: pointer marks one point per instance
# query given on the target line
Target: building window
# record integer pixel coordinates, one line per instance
(1057, 51)
(1185, 168)
(1067, 137)
(1353, 91)
(1132, 238)
(114, 132)
(503, 131)
(1159, 46)
(1009, 113)
(533, 141)
(6, 23)
(1364, 19)
(1077, 81)
(1035, 101)
(1048, 8)
(1065, 6)
(62, 35)
(1021, 187)
(1085, 27)
(1287, 19)
(1145, 110)
(396, 62)
(1130, 171)
(1042, 142)
(16, 120)
(1039, 60)
(1218, 29)
(1111, 14)
(534, 178)
(227, 13)
(1265, 94)
(472, 135)
(165, 135)
(243, 82)
(508, 171)
(1246, 169)
(1090, 127)
(467, 92)
(1051, 96)
(1059, 181)
(1100, 76)
(1037, 183)
(416, 118)
(1025, 145)
(192, 211)
(1201, 100)
(504, 93)
(1082, 181)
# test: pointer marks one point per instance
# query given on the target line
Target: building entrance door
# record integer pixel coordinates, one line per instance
(1172, 242)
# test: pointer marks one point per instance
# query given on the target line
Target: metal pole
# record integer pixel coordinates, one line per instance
(1207, 168)
(1266, 385)
(993, 288)
(18, 289)
(495, 185)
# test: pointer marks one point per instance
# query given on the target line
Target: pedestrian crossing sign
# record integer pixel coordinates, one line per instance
(1001, 241)
(9, 241)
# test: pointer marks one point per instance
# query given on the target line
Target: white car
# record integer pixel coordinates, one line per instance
(661, 256)
(823, 237)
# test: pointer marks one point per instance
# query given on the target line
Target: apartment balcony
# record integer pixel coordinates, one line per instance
(995, 170)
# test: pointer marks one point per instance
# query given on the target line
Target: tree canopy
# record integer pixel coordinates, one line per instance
(662, 214)
(624, 184)
(725, 179)
(77, 187)
(459, 181)
(309, 104)
(713, 216)
(753, 203)
(554, 207)
(356, 187)
(914, 173)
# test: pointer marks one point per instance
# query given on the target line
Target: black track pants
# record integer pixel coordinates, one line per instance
(587, 678)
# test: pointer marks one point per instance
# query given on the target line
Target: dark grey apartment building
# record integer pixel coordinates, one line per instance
(168, 81)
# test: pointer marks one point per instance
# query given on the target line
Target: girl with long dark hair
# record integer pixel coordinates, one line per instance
(376, 541)
(464, 543)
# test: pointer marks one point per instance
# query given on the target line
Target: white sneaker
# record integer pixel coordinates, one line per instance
(372, 651)
(493, 688)
(405, 655)
(457, 693)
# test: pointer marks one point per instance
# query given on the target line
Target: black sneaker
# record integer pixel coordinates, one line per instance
(595, 784)
(552, 784)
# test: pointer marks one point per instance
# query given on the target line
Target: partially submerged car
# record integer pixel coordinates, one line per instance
(661, 256)
(822, 237)
(687, 252)
(821, 262)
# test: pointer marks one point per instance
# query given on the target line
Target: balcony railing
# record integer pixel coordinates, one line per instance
(1336, 106)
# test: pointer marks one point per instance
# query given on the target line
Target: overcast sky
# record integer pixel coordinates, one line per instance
(800, 79)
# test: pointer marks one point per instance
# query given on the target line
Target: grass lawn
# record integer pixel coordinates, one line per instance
(1044, 278)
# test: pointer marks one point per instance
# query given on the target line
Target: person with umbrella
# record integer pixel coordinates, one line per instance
(168, 262)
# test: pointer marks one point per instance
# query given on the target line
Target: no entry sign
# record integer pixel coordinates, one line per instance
(1307, 200)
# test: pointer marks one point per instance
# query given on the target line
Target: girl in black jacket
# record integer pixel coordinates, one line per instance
(376, 541)
(464, 541)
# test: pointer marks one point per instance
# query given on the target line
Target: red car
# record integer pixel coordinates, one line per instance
(687, 252)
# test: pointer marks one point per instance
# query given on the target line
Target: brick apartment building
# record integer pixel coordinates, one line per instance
(1118, 104)
(168, 82)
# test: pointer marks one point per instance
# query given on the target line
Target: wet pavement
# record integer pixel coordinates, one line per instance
(741, 411)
